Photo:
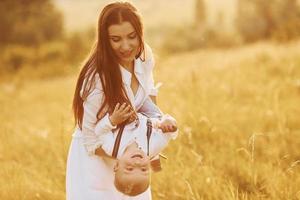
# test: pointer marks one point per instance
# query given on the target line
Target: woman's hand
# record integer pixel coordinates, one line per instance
(120, 114)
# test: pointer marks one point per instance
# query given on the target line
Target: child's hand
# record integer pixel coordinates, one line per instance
(168, 125)
(120, 114)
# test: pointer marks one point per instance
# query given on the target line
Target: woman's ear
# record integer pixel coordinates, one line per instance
(116, 166)
(138, 52)
(141, 53)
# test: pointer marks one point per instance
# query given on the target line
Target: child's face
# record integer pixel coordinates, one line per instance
(134, 161)
(133, 168)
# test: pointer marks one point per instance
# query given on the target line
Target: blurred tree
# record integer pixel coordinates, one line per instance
(287, 21)
(200, 15)
(29, 22)
(254, 21)
(79, 44)
(260, 19)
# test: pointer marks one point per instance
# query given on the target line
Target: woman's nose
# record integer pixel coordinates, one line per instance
(125, 46)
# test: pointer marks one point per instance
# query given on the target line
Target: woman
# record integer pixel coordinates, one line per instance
(117, 74)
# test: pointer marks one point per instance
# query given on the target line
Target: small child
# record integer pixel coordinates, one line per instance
(136, 151)
(132, 167)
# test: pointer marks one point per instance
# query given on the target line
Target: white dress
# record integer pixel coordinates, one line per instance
(89, 177)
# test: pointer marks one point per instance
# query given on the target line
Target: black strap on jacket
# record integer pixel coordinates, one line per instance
(120, 133)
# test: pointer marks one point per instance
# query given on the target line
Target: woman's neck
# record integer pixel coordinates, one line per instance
(129, 66)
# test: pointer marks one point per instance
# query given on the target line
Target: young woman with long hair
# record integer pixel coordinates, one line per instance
(116, 78)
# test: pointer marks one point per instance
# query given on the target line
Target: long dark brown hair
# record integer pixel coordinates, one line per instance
(104, 62)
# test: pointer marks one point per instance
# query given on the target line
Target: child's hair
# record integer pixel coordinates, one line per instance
(131, 187)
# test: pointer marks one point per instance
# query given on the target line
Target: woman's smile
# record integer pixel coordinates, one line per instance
(126, 54)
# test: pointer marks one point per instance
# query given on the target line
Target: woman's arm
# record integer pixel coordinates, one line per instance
(93, 138)
(149, 106)
(149, 66)
(153, 98)
(150, 109)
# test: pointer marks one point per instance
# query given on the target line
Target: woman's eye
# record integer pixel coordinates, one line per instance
(132, 36)
(115, 39)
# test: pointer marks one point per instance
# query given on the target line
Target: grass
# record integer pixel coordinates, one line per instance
(238, 112)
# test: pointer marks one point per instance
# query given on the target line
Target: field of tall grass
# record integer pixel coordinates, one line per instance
(238, 113)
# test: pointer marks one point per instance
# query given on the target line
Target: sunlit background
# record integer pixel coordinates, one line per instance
(231, 77)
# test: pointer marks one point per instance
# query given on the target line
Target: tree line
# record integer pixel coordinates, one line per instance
(29, 22)
(261, 19)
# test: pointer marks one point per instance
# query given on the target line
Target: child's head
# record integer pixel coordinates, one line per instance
(132, 172)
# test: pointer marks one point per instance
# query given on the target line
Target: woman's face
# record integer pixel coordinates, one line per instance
(124, 42)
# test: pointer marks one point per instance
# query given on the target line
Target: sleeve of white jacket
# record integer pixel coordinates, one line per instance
(150, 109)
(149, 59)
(108, 143)
(94, 133)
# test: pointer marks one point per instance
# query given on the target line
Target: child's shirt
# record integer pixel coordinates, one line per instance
(132, 133)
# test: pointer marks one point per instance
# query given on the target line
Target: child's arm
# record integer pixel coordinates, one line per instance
(119, 115)
(167, 124)
(100, 152)
(159, 139)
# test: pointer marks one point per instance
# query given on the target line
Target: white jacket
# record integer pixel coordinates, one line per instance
(92, 131)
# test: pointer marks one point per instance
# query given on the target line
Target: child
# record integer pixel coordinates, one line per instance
(132, 167)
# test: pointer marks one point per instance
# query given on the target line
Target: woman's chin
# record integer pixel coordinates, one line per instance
(127, 59)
